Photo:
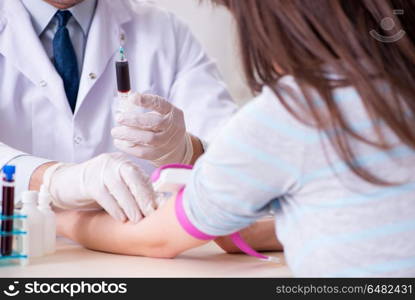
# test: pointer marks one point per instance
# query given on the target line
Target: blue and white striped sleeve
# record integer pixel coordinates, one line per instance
(256, 158)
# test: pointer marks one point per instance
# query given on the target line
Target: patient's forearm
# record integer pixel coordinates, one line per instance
(96, 230)
(158, 235)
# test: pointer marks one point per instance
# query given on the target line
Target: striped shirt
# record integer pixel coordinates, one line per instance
(331, 222)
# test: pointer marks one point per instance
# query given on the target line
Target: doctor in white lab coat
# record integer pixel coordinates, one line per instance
(62, 148)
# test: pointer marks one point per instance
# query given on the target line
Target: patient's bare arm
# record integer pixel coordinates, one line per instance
(159, 235)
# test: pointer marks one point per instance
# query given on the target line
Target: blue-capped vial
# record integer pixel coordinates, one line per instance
(9, 172)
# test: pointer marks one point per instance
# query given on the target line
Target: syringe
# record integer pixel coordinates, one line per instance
(123, 74)
(123, 85)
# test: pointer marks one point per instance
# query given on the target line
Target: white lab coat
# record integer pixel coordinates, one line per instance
(164, 57)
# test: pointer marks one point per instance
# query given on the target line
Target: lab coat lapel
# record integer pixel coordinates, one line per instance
(20, 45)
(103, 43)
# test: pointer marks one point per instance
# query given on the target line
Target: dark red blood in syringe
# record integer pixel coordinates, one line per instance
(123, 76)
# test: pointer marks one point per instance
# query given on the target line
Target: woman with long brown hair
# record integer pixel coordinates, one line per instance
(327, 146)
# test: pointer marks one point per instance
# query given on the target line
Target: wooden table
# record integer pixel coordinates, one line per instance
(71, 260)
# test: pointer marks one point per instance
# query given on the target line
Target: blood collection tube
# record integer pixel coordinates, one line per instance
(7, 210)
(123, 84)
(123, 75)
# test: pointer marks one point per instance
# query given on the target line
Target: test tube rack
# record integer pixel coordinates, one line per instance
(19, 255)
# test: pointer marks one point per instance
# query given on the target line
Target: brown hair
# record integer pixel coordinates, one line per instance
(303, 37)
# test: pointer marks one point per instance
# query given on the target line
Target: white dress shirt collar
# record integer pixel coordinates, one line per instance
(42, 13)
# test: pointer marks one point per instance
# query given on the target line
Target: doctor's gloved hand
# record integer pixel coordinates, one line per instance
(158, 136)
(111, 180)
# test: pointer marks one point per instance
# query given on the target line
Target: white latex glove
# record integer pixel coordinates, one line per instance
(112, 180)
(158, 136)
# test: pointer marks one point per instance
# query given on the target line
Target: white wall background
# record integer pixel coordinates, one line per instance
(214, 28)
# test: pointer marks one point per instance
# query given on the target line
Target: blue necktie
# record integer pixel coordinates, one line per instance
(65, 58)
